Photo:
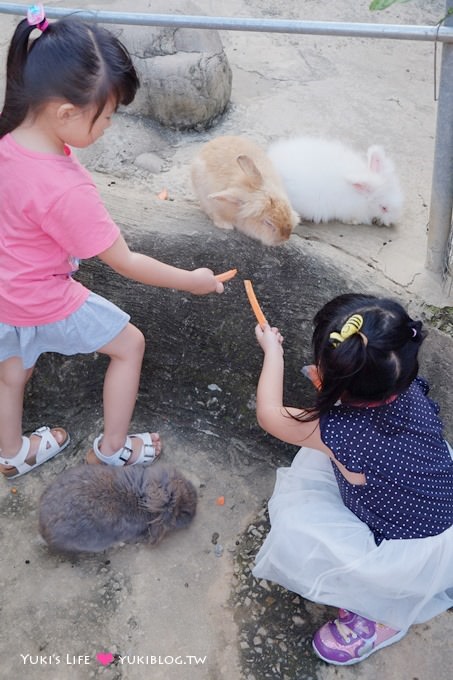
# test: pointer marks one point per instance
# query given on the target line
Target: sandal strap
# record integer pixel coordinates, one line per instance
(119, 458)
(19, 458)
(46, 445)
(148, 451)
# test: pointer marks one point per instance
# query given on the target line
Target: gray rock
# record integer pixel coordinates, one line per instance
(184, 73)
(150, 162)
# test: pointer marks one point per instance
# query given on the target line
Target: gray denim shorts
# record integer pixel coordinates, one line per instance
(96, 323)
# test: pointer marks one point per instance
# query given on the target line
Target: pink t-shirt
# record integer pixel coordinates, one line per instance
(51, 215)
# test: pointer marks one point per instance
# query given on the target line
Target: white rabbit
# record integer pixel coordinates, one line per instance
(326, 180)
(237, 186)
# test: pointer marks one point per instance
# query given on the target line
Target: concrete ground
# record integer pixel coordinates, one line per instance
(190, 607)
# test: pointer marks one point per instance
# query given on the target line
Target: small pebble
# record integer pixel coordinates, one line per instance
(214, 388)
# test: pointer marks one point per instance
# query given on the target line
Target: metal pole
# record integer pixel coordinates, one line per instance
(440, 212)
(352, 30)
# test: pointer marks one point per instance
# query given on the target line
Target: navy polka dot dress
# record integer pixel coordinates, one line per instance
(400, 448)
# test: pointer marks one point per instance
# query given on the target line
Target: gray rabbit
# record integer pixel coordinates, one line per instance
(91, 507)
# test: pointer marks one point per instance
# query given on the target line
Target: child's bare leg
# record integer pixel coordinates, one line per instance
(13, 378)
(120, 391)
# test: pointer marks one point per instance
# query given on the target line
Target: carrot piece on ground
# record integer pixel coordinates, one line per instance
(254, 303)
(220, 500)
(226, 276)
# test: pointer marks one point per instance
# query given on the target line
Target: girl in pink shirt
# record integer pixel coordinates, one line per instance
(61, 90)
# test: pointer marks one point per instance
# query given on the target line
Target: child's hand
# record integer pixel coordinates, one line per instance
(269, 338)
(204, 281)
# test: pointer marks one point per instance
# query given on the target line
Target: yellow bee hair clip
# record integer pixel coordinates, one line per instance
(351, 327)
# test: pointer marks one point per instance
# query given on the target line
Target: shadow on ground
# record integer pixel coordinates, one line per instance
(195, 593)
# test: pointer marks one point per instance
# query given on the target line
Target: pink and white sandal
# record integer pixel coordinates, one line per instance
(48, 448)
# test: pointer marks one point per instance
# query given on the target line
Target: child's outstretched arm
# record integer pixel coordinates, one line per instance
(148, 270)
(271, 414)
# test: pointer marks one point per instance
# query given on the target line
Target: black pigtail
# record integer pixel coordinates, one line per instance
(15, 105)
(339, 365)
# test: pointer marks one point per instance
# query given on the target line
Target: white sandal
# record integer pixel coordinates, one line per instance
(147, 454)
(48, 448)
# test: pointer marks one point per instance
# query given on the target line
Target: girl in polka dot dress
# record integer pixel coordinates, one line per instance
(363, 518)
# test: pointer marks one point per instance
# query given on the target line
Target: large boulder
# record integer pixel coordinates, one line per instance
(185, 75)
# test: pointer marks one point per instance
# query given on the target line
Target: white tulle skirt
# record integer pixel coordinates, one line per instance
(318, 548)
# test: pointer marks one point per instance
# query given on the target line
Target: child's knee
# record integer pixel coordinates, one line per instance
(136, 340)
(13, 374)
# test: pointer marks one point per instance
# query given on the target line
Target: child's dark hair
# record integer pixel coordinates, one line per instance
(81, 63)
(371, 365)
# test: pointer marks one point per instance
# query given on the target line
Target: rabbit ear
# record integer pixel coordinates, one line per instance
(249, 168)
(377, 160)
(228, 196)
(157, 530)
(363, 186)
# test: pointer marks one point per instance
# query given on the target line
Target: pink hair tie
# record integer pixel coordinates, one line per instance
(36, 17)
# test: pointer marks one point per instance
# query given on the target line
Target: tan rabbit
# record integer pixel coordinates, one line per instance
(237, 186)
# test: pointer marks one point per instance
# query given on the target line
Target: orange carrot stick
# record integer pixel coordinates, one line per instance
(311, 372)
(226, 276)
(254, 303)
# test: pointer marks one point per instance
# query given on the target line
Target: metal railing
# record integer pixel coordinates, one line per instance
(400, 32)
(438, 257)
